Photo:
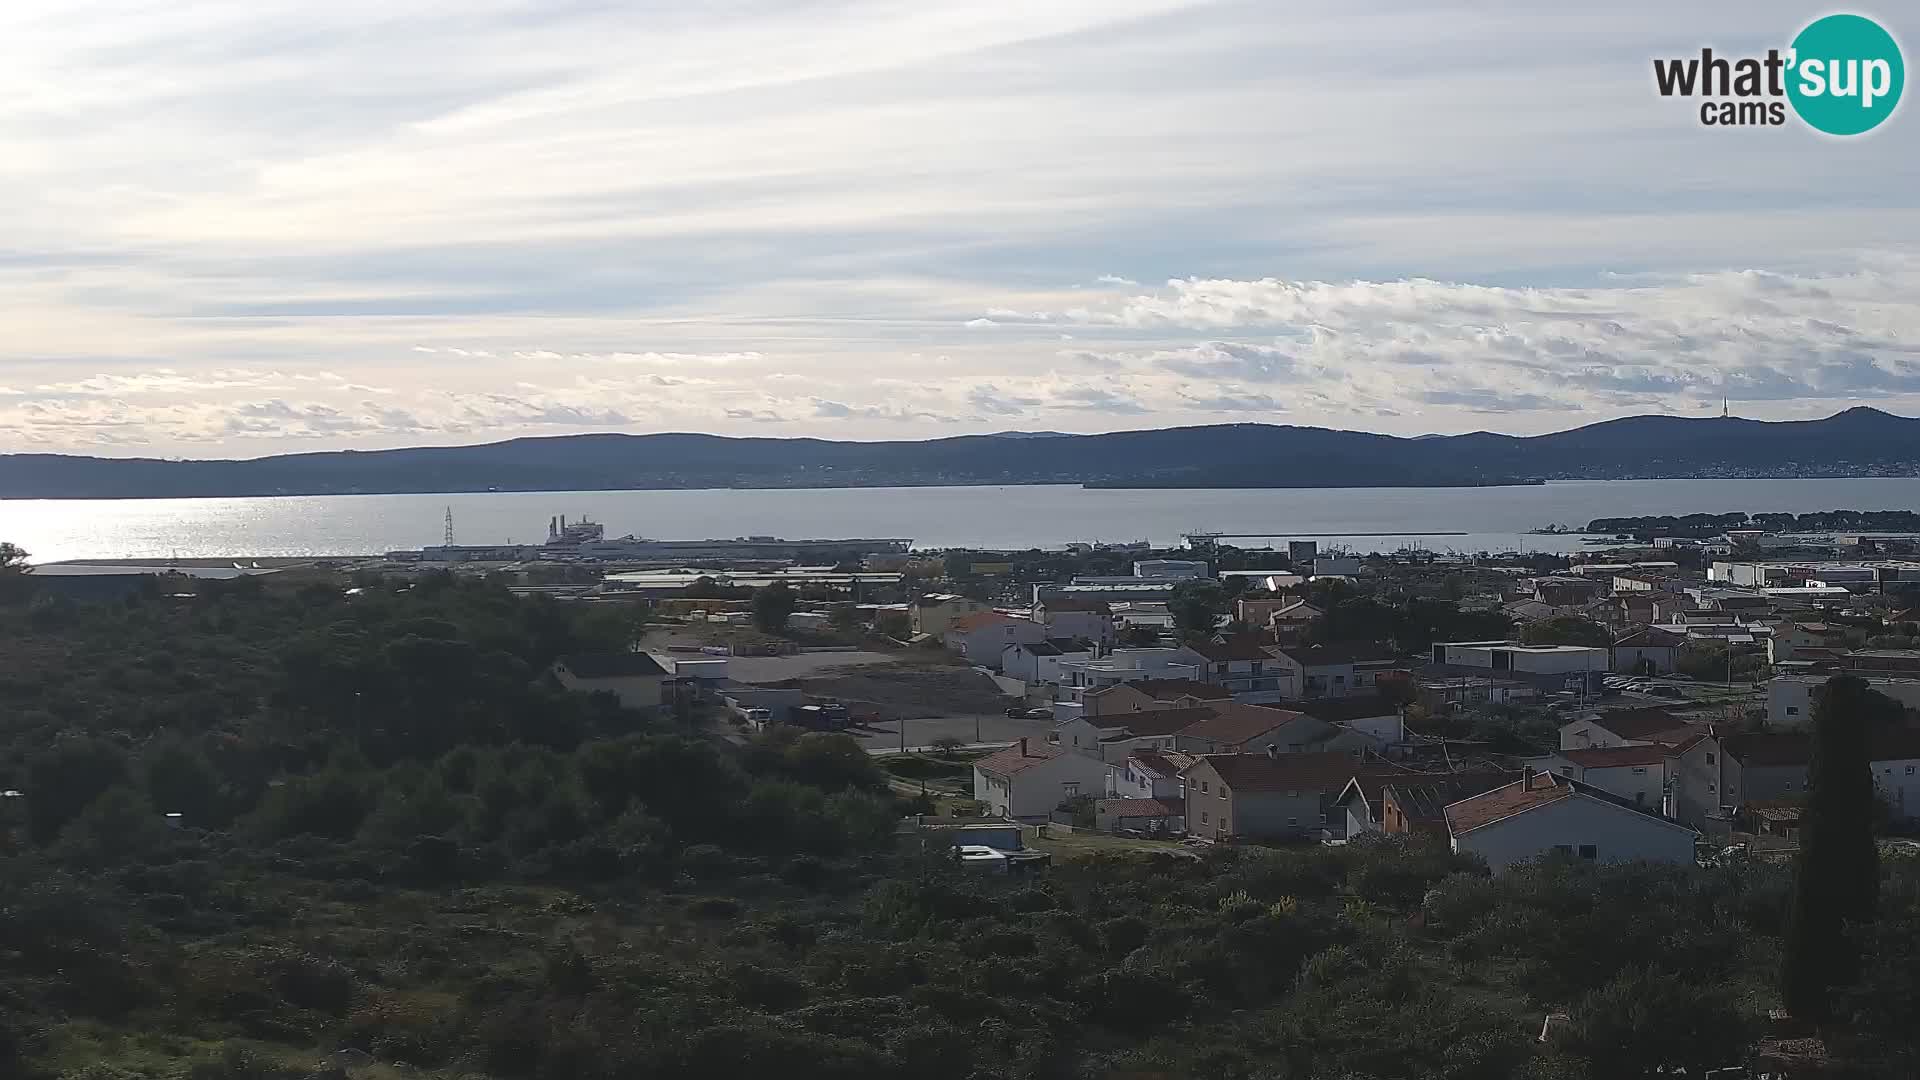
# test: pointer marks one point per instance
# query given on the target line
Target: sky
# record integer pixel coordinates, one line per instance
(243, 227)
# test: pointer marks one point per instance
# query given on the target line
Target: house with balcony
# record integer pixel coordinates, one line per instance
(1320, 671)
(1242, 666)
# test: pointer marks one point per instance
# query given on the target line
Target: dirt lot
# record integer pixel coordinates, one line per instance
(910, 690)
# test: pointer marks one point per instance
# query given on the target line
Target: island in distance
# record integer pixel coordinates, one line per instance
(1857, 442)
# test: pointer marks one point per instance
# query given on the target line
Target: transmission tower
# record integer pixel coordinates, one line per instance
(449, 533)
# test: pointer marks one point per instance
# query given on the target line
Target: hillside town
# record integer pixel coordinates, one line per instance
(1645, 700)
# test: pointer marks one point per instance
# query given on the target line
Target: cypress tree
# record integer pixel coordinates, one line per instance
(1837, 878)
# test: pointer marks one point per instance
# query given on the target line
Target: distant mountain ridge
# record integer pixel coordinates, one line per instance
(1859, 441)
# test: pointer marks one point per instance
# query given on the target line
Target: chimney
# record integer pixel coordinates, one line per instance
(1023, 746)
(1273, 752)
(1526, 777)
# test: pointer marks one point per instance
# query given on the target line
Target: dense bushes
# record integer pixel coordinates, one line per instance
(514, 884)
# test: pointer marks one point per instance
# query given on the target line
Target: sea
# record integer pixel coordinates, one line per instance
(1445, 520)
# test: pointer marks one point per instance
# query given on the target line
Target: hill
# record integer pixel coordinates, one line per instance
(1859, 441)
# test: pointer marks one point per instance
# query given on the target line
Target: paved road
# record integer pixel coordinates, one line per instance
(884, 736)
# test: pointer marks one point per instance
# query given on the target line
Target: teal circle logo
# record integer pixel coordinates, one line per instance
(1846, 74)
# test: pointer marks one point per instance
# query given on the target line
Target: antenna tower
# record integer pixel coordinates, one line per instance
(449, 532)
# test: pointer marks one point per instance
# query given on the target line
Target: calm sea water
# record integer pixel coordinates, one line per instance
(1492, 519)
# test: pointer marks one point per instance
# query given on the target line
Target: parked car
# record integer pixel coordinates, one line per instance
(1022, 712)
(1667, 692)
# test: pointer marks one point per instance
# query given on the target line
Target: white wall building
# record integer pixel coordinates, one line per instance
(1175, 569)
(1790, 697)
(1543, 814)
(1028, 780)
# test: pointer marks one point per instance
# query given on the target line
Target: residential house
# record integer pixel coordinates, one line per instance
(1415, 804)
(1038, 663)
(1148, 774)
(1357, 806)
(982, 637)
(1318, 671)
(1648, 650)
(1154, 693)
(1292, 621)
(1112, 737)
(634, 678)
(1541, 813)
(1716, 776)
(1790, 698)
(1260, 796)
(1637, 774)
(1027, 781)
(1626, 727)
(1259, 610)
(1566, 591)
(1374, 716)
(1791, 636)
(1240, 665)
(1070, 617)
(1235, 728)
(930, 616)
(1150, 816)
(1082, 677)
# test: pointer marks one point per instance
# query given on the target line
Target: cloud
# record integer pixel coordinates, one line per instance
(846, 218)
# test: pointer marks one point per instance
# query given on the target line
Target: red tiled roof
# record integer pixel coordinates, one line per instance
(1323, 771)
(1613, 757)
(1504, 802)
(1233, 723)
(1132, 808)
(1425, 798)
(1015, 759)
(1163, 762)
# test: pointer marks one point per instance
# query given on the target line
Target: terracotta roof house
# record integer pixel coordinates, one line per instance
(1417, 804)
(1626, 727)
(1260, 796)
(1235, 728)
(1542, 814)
(1028, 780)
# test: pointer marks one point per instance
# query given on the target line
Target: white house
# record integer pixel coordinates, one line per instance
(1637, 774)
(1125, 666)
(981, 637)
(1148, 774)
(1790, 697)
(634, 678)
(1242, 666)
(1896, 772)
(1541, 814)
(1038, 663)
(1322, 671)
(1625, 727)
(1028, 780)
(1111, 737)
